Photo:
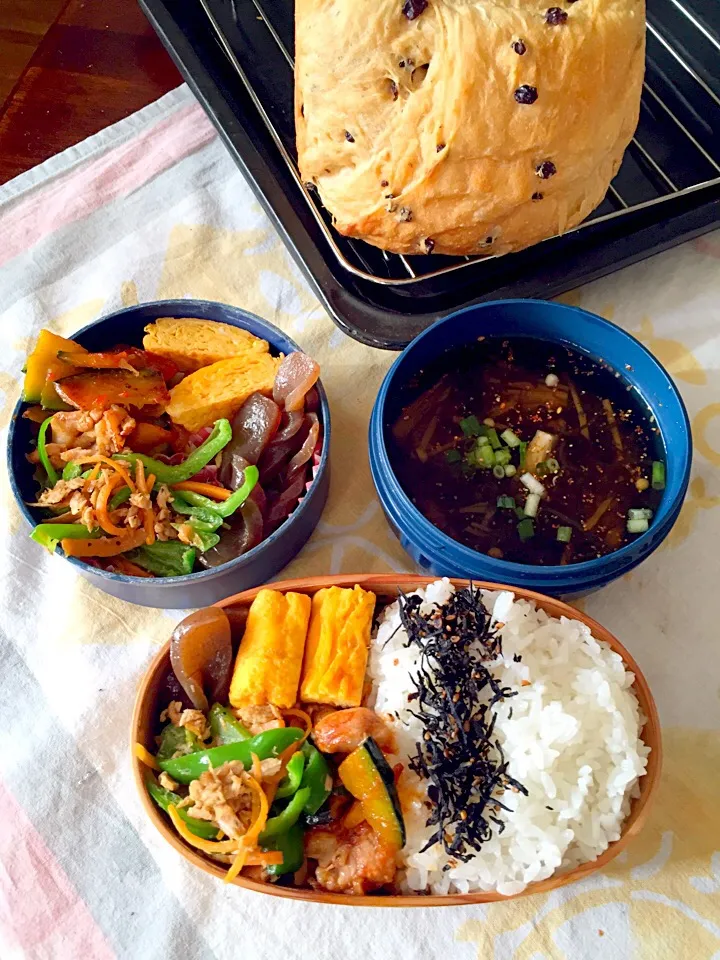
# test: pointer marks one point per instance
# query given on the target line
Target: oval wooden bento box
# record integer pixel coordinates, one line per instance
(386, 586)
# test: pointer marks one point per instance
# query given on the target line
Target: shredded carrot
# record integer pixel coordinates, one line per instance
(256, 769)
(297, 712)
(354, 816)
(254, 831)
(91, 478)
(98, 458)
(220, 834)
(144, 756)
(103, 546)
(237, 865)
(101, 507)
(206, 489)
(207, 846)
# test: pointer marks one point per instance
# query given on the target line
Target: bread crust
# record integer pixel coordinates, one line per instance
(449, 159)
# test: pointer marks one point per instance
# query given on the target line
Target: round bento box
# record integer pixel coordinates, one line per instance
(206, 586)
(570, 327)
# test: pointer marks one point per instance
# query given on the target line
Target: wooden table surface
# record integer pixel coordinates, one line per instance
(68, 68)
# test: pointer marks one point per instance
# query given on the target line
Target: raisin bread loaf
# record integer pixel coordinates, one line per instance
(464, 126)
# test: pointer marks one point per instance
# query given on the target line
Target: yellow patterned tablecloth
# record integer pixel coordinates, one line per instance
(154, 208)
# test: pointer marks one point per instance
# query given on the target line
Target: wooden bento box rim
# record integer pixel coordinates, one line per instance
(386, 584)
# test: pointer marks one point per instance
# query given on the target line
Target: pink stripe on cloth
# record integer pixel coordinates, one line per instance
(41, 914)
(116, 173)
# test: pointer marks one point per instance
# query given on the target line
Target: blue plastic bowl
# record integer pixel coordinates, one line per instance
(570, 327)
(205, 587)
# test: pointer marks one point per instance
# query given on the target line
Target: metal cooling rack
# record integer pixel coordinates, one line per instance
(674, 153)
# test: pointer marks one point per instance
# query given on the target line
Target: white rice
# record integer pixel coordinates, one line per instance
(573, 742)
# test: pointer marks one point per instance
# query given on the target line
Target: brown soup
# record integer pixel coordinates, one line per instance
(528, 452)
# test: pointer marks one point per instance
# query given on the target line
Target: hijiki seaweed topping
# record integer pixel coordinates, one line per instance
(454, 700)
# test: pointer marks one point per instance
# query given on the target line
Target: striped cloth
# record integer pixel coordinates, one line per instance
(154, 208)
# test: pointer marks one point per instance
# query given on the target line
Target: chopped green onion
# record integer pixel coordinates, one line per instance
(489, 422)
(510, 470)
(502, 456)
(484, 455)
(532, 504)
(470, 426)
(541, 469)
(553, 465)
(637, 526)
(494, 438)
(519, 513)
(453, 456)
(483, 440)
(523, 448)
(532, 484)
(510, 438)
(639, 513)
(564, 534)
(658, 475)
(506, 503)
(52, 473)
(71, 471)
(499, 471)
(526, 529)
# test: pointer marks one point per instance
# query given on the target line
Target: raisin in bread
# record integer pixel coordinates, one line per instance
(464, 126)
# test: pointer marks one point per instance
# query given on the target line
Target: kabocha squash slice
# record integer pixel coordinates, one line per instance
(365, 774)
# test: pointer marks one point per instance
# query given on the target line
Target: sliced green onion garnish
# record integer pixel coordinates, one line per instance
(564, 534)
(506, 503)
(532, 504)
(470, 426)
(510, 470)
(523, 448)
(483, 440)
(526, 528)
(639, 513)
(502, 456)
(484, 455)
(658, 475)
(532, 484)
(493, 438)
(637, 526)
(510, 438)
(519, 513)
(552, 465)
(499, 471)
(453, 456)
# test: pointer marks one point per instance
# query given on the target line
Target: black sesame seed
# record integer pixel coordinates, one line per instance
(302, 109)
(393, 90)
(349, 137)
(519, 47)
(429, 245)
(413, 8)
(526, 94)
(555, 16)
(546, 169)
(384, 183)
(401, 64)
(537, 196)
(488, 239)
(405, 214)
(439, 148)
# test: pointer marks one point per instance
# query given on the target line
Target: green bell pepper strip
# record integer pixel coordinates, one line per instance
(166, 558)
(48, 535)
(225, 508)
(290, 784)
(200, 537)
(224, 727)
(49, 469)
(177, 740)
(71, 471)
(286, 818)
(292, 848)
(270, 743)
(119, 498)
(317, 777)
(180, 505)
(219, 438)
(165, 798)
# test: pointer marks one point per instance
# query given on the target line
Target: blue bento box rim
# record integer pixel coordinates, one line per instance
(501, 570)
(255, 325)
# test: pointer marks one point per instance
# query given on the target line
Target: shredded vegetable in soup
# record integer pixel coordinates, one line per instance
(528, 452)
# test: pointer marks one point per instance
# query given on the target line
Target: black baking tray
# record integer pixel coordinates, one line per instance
(667, 190)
